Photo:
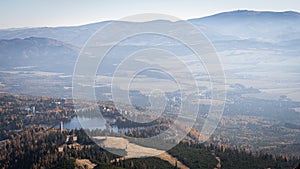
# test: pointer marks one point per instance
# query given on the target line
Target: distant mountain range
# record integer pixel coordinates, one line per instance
(56, 48)
(241, 24)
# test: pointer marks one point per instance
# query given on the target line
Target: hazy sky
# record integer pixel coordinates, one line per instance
(37, 13)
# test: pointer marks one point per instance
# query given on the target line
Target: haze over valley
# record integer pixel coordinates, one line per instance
(258, 51)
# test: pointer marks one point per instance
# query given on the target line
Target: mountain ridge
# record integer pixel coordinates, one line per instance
(239, 24)
(38, 53)
(252, 12)
(290, 12)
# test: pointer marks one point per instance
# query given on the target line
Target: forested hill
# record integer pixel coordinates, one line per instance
(35, 148)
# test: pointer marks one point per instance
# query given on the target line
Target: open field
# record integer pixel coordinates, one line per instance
(136, 151)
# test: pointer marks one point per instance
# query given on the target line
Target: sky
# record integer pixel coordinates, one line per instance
(41, 13)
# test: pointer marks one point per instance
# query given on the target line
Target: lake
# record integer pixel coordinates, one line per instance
(84, 122)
